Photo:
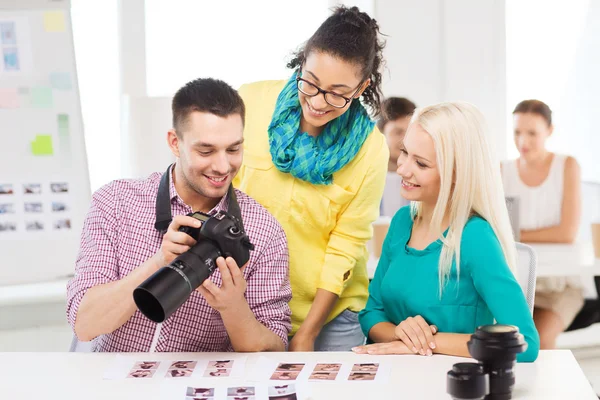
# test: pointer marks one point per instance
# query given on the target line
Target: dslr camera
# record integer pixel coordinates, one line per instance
(220, 235)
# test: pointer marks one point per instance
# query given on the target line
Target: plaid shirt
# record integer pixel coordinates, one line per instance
(119, 235)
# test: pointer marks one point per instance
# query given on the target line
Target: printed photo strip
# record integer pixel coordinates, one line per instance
(7, 208)
(241, 393)
(200, 393)
(325, 372)
(287, 372)
(8, 226)
(60, 187)
(173, 369)
(6, 189)
(363, 372)
(218, 368)
(32, 188)
(181, 369)
(143, 369)
(282, 392)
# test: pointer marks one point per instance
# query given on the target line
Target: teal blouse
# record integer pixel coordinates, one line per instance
(406, 284)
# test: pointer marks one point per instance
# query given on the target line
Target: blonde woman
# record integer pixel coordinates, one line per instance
(447, 264)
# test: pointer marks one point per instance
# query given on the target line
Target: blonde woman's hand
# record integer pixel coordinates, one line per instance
(395, 347)
(417, 335)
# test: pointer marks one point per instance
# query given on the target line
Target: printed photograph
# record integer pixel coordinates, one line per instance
(6, 189)
(328, 367)
(141, 373)
(290, 367)
(7, 208)
(323, 376)
(8, 226)
(11, 59)
(62, 224)
(34, 226)
(146, 365)
(183, 364)
(221, 364)
(361, 376)
(60, 187)
(365, 367)
(58, 206)
(200, 392)
(241, 391)
(285, 375)
(7, 33)
(179, 373)
(212, 373)
(32, 188)
(33, 207)
(282, 392)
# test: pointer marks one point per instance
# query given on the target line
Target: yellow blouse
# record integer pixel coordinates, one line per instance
(327, 226)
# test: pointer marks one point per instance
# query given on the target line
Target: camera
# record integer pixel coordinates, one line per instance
(220, 235)
(495, 347)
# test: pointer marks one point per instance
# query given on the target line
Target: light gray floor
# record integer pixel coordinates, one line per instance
(58, 337)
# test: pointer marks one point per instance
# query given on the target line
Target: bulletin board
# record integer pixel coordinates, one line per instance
(44, 180)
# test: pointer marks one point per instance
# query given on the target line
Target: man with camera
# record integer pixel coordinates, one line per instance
(129, 245)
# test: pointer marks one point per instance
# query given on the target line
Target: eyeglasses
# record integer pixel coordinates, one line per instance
(333, 99)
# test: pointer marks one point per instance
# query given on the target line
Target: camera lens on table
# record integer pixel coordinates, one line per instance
(467, 381)
(496, 348)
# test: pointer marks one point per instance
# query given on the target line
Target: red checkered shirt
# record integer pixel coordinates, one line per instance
(119, 235)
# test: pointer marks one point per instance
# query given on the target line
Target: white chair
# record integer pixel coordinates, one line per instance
(526, 265)
(81, 347)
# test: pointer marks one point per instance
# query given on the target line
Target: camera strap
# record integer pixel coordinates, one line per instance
(163, 204)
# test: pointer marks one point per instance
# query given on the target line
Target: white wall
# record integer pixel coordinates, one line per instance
(96, 40)
(443, 51)
(144, 120)
(435, 52)
(579, 122)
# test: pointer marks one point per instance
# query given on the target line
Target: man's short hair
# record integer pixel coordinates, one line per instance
(206, 95)
(393, 108)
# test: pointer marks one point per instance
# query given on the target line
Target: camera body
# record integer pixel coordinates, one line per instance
(220, 235)
(225, 231)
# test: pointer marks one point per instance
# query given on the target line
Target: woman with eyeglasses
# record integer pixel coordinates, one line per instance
(314, 159)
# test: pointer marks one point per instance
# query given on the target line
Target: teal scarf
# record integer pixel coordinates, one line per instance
(315, 159)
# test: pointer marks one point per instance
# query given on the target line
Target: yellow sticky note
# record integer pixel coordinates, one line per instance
(42, 146)
(54, 21)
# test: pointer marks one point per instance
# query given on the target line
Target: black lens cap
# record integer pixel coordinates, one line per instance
(467, 381)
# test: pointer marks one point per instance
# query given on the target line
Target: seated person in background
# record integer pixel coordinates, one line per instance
(548, 187)
(448, 267)
(235, 309)
(395, 116)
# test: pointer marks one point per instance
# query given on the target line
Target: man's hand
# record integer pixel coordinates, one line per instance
(231, 293)
(175, 243)
(396, 347)
(417, 335)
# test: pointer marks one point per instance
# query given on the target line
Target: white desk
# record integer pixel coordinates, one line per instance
(553, 260)
(566, 259)
(65, 376)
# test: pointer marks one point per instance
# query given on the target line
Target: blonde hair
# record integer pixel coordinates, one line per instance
(470, 181)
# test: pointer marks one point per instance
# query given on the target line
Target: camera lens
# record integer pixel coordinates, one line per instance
(496, 348)
(168, 288)
(467, 381)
